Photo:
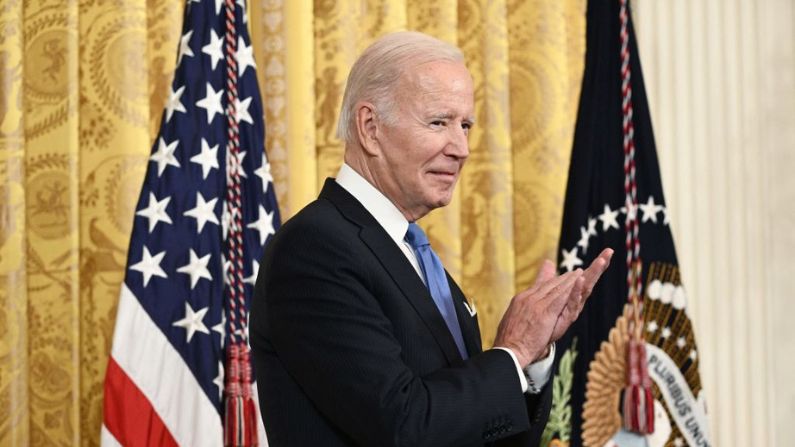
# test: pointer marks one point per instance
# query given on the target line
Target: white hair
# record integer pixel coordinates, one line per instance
(375, 74)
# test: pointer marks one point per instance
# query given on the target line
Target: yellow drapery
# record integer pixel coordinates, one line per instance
(82, 87)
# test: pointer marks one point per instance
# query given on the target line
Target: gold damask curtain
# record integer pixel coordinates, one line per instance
(82, 87)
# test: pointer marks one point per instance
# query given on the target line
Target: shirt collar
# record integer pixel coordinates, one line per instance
(375, 202)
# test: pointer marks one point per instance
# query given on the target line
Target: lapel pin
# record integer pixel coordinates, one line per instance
(472, 310)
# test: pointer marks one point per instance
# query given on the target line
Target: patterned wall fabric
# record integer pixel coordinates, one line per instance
(82, 87)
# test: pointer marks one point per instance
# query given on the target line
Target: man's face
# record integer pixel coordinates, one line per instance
(425, 146)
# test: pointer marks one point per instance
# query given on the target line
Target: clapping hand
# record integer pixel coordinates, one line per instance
(542, 313)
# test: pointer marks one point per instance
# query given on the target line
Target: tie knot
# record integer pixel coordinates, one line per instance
(416, 237)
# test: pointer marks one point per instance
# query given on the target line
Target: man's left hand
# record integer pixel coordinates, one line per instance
(576, 301)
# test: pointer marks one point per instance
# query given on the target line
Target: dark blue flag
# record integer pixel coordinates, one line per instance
(634, 335)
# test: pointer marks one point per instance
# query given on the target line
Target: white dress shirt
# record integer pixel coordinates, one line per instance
(537, 374)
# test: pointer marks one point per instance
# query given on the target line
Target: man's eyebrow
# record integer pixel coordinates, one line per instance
(450, 115)
(441, 115)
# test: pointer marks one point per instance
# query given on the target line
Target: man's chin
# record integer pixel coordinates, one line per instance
(444, 200)
(439, 196)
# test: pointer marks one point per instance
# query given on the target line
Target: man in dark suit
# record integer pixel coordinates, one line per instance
(359, 337)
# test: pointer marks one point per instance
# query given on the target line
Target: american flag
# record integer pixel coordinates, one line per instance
(165, 379)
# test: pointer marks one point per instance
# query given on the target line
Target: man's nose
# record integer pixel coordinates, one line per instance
(458, 146)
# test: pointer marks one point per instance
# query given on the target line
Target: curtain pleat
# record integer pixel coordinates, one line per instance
(547, 48)
(51, 230)
(486, 185)
(14, 359)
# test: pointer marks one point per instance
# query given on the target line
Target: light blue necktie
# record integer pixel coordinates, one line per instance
(436, 280)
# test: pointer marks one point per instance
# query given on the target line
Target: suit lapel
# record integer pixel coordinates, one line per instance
(469, 323)
(404, 275)
(397, 266)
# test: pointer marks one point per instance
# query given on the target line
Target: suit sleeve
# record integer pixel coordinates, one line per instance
(314, 301)
(538, 408)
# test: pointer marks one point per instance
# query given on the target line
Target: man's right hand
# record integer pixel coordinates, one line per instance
(539, 314)
(527, 325)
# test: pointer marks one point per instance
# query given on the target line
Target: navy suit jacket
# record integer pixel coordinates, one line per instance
(349, 348)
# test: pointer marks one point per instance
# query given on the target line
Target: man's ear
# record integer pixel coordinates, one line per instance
(367, 127)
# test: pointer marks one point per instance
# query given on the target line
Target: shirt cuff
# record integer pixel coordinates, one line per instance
(536, 374)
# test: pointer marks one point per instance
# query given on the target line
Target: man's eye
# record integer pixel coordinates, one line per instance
(437, 123)
(466, 126)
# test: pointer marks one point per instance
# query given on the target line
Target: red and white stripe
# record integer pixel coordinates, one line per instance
(151, 396)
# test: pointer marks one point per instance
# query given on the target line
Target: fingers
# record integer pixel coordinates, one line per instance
(577, 297)
(545, 273)
(545, 311)
(574, 300)
(561, 294)
(595, 270)
(552, 284)
(572, 310)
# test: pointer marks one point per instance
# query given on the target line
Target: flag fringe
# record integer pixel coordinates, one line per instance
(240, 412)
(638, 400)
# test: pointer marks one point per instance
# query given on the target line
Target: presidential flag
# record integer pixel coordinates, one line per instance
(628, 373)
(206, 211)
